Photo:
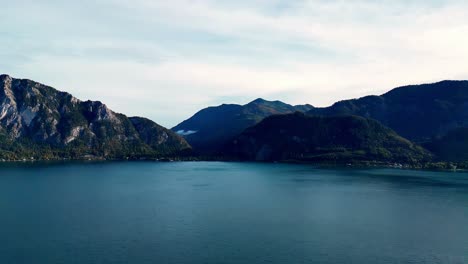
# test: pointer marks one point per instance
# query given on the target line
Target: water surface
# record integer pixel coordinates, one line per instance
(145, 212)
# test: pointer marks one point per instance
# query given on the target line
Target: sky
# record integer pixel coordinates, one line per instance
(167, 59)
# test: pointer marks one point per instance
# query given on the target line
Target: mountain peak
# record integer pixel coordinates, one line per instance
(5, 76)
(259, 101)
(215, 125)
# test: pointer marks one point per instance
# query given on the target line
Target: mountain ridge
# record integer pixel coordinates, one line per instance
(210, 127)
(343, 138)
(417, 112)
(46, 122)
(41, 122)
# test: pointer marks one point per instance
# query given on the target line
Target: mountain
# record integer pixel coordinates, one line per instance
(211, 127)
(451, 147)
(417, 112)
(302, 137)
(41, 122)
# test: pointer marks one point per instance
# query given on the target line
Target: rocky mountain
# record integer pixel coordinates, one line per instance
(211, 127)
(302, 137)
(417, 112)
(39, 121)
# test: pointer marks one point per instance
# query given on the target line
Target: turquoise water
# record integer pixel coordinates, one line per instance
(145, 212)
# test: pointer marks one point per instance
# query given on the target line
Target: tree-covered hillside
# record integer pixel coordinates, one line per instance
(316, 138)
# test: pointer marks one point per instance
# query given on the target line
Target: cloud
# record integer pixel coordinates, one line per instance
(168, 59)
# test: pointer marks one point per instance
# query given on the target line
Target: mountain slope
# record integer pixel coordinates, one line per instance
(46, 123)
(211, 127)
(417, 112)
(158, 137)
(451, 147)
(316, 138)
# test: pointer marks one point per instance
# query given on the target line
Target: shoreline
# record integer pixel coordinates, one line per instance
(429, 166)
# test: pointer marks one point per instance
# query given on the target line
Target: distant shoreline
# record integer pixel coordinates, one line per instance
(441, 166)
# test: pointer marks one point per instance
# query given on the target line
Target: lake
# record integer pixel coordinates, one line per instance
(214, 212)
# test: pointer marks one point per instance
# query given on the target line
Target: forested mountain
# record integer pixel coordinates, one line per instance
(303, 137)
(211, 127)
(417, 112)
(451, 147)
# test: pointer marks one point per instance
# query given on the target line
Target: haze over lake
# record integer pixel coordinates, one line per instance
(146, 212)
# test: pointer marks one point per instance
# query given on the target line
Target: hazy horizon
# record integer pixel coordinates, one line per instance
(167, 60)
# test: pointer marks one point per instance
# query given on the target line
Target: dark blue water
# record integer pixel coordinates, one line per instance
(145, 212)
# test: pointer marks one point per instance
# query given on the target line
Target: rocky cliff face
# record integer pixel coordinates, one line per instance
(38, 114)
